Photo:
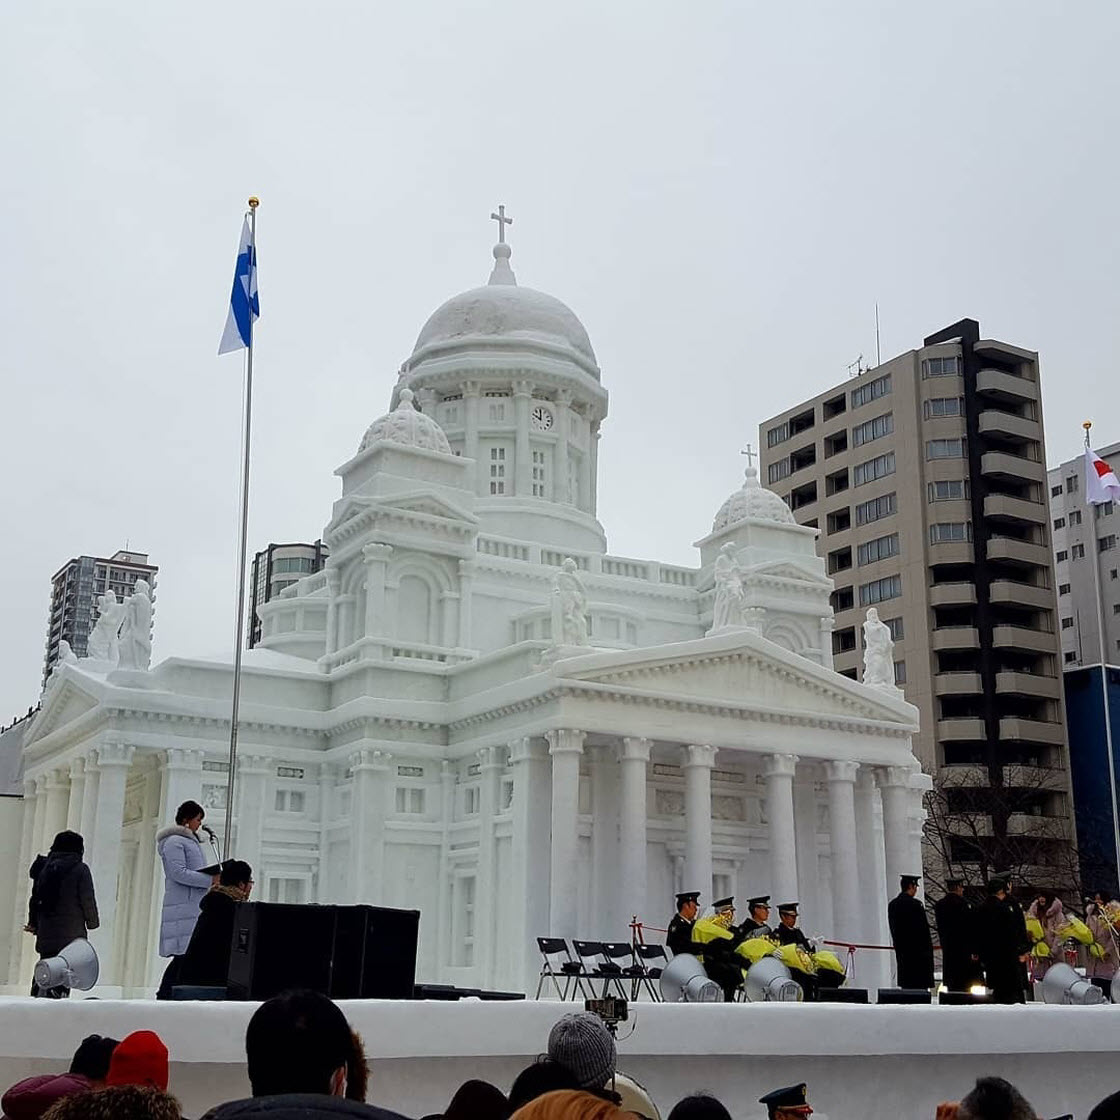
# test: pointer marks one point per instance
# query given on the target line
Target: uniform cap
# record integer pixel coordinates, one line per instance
(687, 896)
(910, 881)
(788, 907)
(724, 903)
(758, 900)
(793, 1096)
(952, 884)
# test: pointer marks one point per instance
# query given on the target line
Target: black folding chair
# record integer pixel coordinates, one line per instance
(558, 964)
(619, 955)
(652, 959)
(596, 966)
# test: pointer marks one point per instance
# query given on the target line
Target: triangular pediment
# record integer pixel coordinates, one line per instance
(345, 510)
(425, 502)
(788, 569)
(63, 703)
(738, 670)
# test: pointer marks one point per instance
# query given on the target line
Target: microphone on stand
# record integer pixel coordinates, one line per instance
(213, 840)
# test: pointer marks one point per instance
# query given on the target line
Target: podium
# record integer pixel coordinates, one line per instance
(345, 952)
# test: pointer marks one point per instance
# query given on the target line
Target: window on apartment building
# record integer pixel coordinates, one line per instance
(944, 406)
(941, 367)
(1067, 623)
(879, 590)
(834, 407)
(1063, 588)
(844, 641)
(1078, 552)
(875, 509)
(1059, 522)
(878, 549)
(894, 625)
(1055, 491)
(1103, 510)
(778, 470)
(1070, 655)
(945, 449)
(879, 467)
(875, 428)
(872, 391)
(1116, 608)
(1106, 544)
(497, 470)
(1071, 484)
(1061, 555)
(900, 672)
(839, 520)
(777, 434)
(839, 560)
(1112, 574)
(842, 599)
(948, 490)
(1074, 517)
(945, 531)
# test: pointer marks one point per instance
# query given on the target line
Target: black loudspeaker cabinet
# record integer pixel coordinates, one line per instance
(346, 952)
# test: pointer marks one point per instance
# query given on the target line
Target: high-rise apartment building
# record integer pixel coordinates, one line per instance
(276, 567)
(926, 478)
(1084, 535)
(75, 588)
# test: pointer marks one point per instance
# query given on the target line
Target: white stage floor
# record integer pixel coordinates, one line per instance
(860, 1062)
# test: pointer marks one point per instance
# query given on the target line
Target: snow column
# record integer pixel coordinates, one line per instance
(530, 808)
(845, 865)
(780, 770)
(699, 761)
(566, 749)
(632, 826)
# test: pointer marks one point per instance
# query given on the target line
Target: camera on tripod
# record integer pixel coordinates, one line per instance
(610, 1009)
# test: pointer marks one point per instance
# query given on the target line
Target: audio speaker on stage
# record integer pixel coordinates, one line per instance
(904, 995)
(346, 952)
(842, 995)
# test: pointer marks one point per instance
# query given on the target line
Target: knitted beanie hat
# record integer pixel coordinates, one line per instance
(584, 1046)
(140, 1059)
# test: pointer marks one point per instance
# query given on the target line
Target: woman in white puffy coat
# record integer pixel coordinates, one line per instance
(182, 856)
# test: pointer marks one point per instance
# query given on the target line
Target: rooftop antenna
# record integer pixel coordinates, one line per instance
(878, 352)
(855, 368)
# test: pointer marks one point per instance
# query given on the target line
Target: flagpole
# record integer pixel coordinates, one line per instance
(242, 544)
(1096, 559)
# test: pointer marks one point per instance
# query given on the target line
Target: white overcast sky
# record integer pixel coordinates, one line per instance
(721, 191)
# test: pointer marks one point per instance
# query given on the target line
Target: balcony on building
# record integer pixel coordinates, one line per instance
(1034, 685)
(1008, 592)
(952, 594)
(957, 684)
(1010, 426)
(1011, 550)
(1023, 638)
(1012, 468)
(1004, 507)
(956, 637)
(1031, 730)
(1003, 386)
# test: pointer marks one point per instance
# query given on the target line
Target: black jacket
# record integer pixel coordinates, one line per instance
(913, 947)
(63, 906)
(794, 936)
(679, 935)
(206, 961)
(298, 1106)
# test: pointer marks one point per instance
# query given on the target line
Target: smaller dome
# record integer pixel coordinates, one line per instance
(406, 426)
(753, 502)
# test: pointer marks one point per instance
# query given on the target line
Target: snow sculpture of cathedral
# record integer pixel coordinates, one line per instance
(415, 733)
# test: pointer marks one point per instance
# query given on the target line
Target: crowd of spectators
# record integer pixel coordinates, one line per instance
(305, 1062)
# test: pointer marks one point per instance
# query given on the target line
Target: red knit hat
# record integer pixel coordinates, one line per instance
(139, 1059)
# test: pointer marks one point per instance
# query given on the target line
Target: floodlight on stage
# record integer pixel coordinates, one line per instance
(1062, 984)
(769, 981)
(978, 990)
(683, 980)
(74, 967)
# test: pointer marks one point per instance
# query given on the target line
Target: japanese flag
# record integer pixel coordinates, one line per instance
(1101, 483)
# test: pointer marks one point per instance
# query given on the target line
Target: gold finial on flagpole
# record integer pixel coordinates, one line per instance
(254, 202)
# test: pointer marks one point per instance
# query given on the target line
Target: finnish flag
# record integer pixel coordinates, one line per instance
(244, 306)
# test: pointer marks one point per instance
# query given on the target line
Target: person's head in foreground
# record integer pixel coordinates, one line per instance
(118, 1102)
(91, 1059)
(583, 1045)
(543, 1076)
(699, 1106)
(298, 1042)
(1108, 1109)
(140, 1059)
(992, 1098)
(571, 1104)
(789, 1103)
(477, 1100)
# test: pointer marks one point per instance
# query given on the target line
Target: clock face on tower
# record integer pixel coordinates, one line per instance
(542, 419)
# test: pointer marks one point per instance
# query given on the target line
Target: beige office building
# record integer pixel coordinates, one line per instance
(926, 478)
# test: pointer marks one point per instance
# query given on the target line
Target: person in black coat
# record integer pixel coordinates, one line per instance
(679, 935)
(63, 905)
(960, 967)
(206, 961)
(913, 947)
(999, 943)
(788, 931)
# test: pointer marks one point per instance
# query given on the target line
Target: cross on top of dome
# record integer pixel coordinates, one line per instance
(502, 273)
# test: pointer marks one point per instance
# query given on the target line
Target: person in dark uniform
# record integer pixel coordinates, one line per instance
(718, 953)
(787, 1104)
(679, 935)
(999, 944)
(787, 931)
(758, 924)
(960, 967)
(913, 947)
(1025, 942)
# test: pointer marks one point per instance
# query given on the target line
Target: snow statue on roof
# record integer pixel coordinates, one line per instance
(66, 655)
(878, 652)
(104, 638)
(136, 631)
(727, 608)
(569, 606)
